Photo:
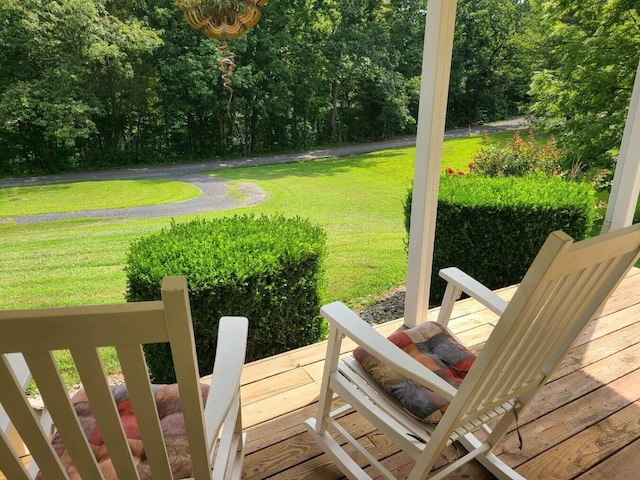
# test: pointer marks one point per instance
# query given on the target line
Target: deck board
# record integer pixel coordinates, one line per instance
(585, 423)
(586, 418)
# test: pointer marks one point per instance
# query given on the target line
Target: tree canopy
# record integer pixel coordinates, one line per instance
(87, 84)
(584, 86)
(72, 77)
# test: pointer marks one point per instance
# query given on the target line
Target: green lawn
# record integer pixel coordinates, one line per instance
(357, 200)
(76, 262)
(79, 196)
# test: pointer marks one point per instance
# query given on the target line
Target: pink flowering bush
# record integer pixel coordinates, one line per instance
(602, 179)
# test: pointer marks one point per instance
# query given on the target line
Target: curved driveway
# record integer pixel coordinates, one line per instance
(214, 190)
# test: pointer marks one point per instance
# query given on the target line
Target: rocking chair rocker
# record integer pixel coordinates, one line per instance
(564, 288)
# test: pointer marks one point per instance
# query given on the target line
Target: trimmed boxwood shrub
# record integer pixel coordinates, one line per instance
(268, 269)
(492, 228)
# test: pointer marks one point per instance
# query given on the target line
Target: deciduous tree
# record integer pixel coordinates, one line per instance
(584, 90)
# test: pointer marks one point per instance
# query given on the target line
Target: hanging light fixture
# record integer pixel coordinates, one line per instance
(222, 20)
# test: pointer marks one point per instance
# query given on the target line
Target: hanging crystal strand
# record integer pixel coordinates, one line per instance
(225, 61)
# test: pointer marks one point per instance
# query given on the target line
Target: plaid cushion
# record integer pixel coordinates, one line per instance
(434, 347)
(171, 422)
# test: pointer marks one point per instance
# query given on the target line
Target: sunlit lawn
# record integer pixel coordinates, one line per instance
(357, 200)
(91, 195)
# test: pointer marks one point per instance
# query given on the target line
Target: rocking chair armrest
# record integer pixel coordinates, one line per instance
(459, 282)
(225, 380)
(348, 323)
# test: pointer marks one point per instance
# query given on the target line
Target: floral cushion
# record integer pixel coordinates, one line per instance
(434, 347)
(171, 422)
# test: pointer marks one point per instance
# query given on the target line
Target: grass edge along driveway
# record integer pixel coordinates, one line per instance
(357, 200)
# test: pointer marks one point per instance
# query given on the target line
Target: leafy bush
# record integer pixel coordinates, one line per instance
(268, 269)
(518, 158)
(492, 228)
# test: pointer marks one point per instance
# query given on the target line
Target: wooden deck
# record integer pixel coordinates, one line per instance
(585, 424)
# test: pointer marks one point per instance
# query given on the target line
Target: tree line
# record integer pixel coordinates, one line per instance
(88, 84)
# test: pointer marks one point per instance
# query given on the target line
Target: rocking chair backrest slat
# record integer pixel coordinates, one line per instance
(12, 467)
(134, 369)
(562, 291)
(82, 330)
(51, 386)
(19, 410)
(180, 331)
(540, 339)
(104, 409)
(569, 311)
(69, 327)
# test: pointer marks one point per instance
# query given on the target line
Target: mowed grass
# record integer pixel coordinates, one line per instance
(357, 200)
(92, 195)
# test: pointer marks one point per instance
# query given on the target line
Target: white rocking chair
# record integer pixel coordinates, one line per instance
(210, 440)
(562, 291)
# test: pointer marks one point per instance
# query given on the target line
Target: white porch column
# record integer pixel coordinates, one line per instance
(626, 180)
(436, 69)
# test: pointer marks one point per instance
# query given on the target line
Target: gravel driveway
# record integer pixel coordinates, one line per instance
(214, 190)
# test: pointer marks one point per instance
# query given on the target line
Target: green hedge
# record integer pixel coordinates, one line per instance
(268, 269)
(492, 228)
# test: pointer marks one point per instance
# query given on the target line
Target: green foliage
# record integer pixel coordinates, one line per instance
(584, 86)
(70, 80)
(518, 158)
(88, 84)
(492, 61)
(268, 269)
(492, 228)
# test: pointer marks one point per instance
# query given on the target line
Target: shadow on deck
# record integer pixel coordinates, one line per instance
(584, 424)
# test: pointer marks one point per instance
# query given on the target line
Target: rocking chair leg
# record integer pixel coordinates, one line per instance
(490, 461)
(335, 452)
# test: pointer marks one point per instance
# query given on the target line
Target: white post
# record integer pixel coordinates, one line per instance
(626, 180)
(436, 69)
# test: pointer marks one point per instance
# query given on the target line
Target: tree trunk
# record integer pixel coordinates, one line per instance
(335, 87)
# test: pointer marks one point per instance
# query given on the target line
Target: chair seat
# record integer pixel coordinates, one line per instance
(407, 430)
(435, 347)
(438, 349)
(167, 400)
